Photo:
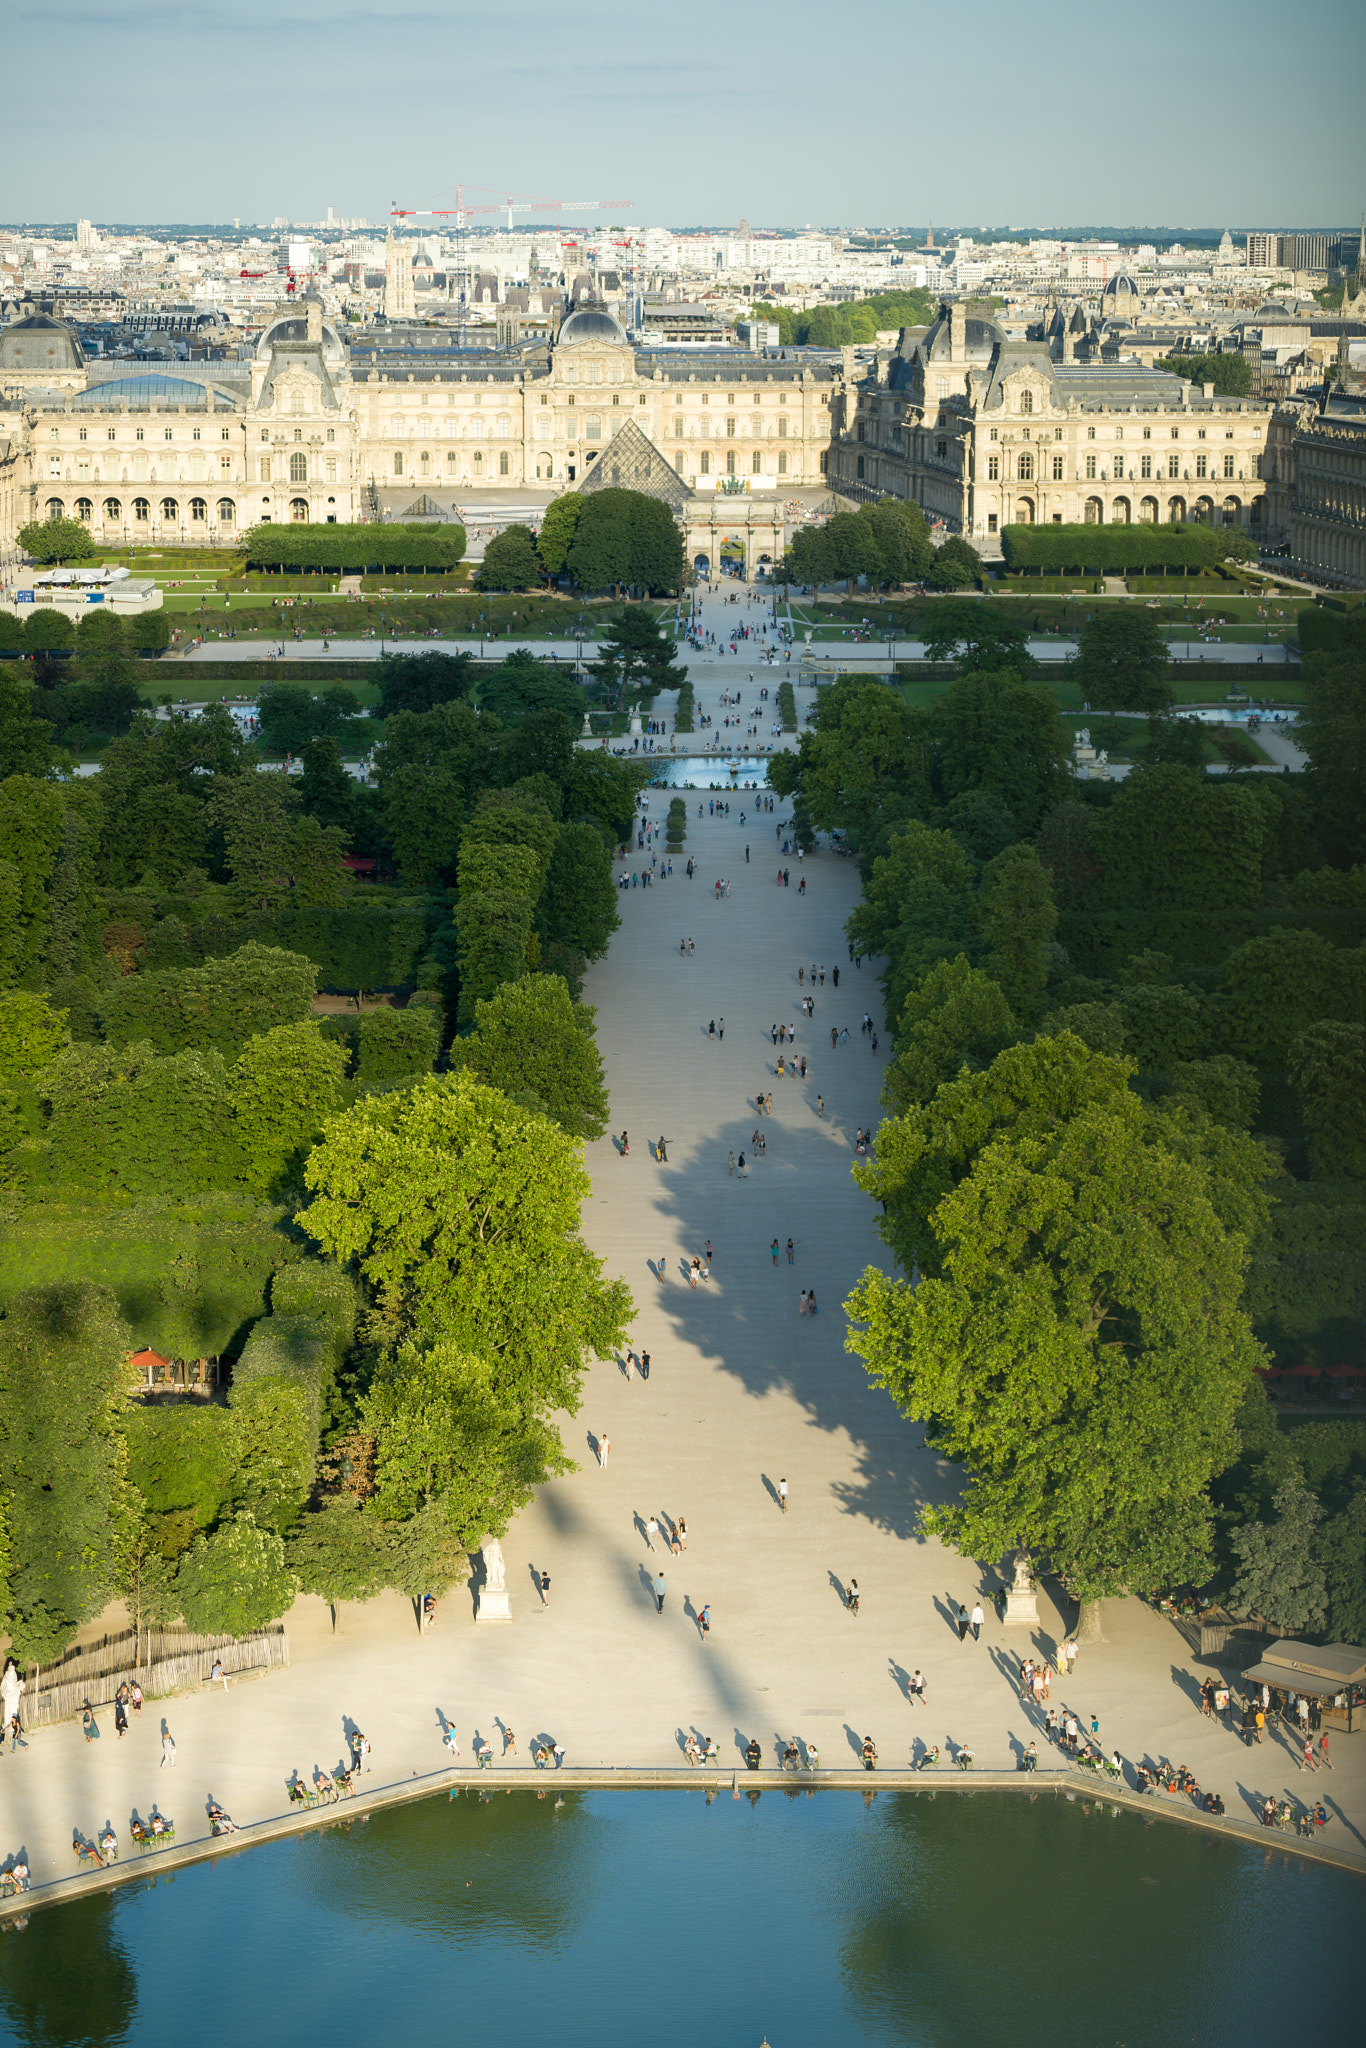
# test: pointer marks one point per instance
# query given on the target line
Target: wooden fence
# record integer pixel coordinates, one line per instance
(176, 1661)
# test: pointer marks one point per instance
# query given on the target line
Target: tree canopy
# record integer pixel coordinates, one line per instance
(510, 561)
(624, 540)
(57, 540)
(533, 1042)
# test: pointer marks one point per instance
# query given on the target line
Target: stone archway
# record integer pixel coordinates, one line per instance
(1119, 512)
(1233, 511)
(1095, 512)
(1176, 511)
(1147, 512)
(1024, 512)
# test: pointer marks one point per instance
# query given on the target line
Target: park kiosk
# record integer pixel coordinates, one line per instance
(1334, 1673)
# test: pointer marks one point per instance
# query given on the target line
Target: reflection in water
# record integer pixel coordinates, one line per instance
(678, 1920)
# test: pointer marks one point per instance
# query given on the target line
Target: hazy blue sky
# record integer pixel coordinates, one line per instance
(1204, 112)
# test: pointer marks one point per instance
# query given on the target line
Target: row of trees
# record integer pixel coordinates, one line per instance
(853, 321)
(888, 544)
(1121, 550)
(604, 539)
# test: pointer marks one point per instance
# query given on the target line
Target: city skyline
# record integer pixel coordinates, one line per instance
(248, 114)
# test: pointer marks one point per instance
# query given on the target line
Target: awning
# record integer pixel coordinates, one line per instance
(1319, 1668)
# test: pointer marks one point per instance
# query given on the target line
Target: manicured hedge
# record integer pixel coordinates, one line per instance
(354, 548)
(365, 945)
(1324, 632)
(1110, 550)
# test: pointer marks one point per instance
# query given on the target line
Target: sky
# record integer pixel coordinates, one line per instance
(1203, 113)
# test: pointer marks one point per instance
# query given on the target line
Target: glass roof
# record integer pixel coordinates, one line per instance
(158, 386)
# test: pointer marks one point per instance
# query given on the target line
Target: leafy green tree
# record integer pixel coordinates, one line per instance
(956, 565)
(624, 540)
(31, 1035)
(155, 781)
(1279, 1573)
(576, 913)
(1342, 1547)
(1079, 1293)
(867, 758)
(849, 549)
(916, 855)
(395, 1045)
(235, 1580)
(559, 524)
(425, 1554)
(510, 561)
(428, 767)
(604, 789)
(1275, 987)
(64, 1380)
(1099, 1025)
(531, 1038)
(957, 1017)
(422, 682)
(272, 846)
(286, 1083)
(498, 890)
(1224, 1089)
(221, 1004)
(1181, 740)
(1016, 915)
(1231, 375)
(461, 1211)
(291, 715)
(901, 537)
(1179, 858)
(523, 683)
(1328, 1067)
(1163, 1024)
(340, 1553)
(1121, 662)
(1331, 728)
(326, 791)
(26, 740)
(978, 635)
(1001, 735)
(445, 1435)
(56, 540)
(49, 632)
(981, 824)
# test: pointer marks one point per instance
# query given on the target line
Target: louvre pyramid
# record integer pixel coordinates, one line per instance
(631, 462)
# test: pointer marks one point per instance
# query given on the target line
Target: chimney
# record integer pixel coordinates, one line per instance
(1208, 390)
(313, 316)
(847, 363)
(958, 331)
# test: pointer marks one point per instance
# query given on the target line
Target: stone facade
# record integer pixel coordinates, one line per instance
(985, 432)
(307, 432)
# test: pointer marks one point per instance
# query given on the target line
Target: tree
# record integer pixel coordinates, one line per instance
(272, 846)
(446, 1437)
(624, 540)
(326, 791)
(999, 734)
(499, 885)
(340, 1553)
(577, 913)
(532, 1037)
(290, 715)
(235, 1580)
(915, 856)
(956, 565)
(559, 524)
(286, 1083)
(26, 741)
(977, 635)
(1279, 1573)
(1342, 1547)
(49, 632)
(510, 561)
(1231, 375)
(1121, 662)
(1164, 1023)
(604, 789)
(1181, 740)
(31, 1035)
(1331, 728)
(1017, 917)
(428, 766)
(64, 1381)
(220, 1005)
(1328, 1068)
(56, 540)
(637, 653)
(461, 1210)
(868, 758)
(1275, 988)
(956, 1017)
(421, 682)
(1075, 1340)
(849, 549)
(901, 537)
(523, 683)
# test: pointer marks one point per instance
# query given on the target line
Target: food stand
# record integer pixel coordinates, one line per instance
(1334, 1673)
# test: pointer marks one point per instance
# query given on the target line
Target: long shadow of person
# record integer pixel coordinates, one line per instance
(900, 1678)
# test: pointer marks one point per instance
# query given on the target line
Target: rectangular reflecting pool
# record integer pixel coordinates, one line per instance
(673, 1918)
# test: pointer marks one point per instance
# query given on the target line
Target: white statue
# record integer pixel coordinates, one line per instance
(1083, 736)
(495, 1571)
(11, 1690)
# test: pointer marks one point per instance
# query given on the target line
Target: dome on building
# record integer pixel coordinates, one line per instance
(592, 323)
(294, 329)
(1121, 285)
(40, 343)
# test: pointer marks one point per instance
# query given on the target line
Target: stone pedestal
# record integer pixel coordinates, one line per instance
(1022, 1598)
(493, 1604)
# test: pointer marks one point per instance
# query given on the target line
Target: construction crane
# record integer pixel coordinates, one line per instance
(460, 214)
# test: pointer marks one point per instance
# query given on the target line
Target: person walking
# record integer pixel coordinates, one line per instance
(782, 1495)
(661, 1587)
(1325, 1761)
(775, 1248)
(977, 1619)
(811, 1302)
(651, 1531)
(711, 1028)
(791, 1253)
(820, 1105)
(167, 1749)
(721, 1029)
(835, 976)
(801, 1303)
(662, 1151)
(545, 1589)
(604, 1450)
(964, 1622)
(625, 1146)
(704, 1622)
(916, 1688)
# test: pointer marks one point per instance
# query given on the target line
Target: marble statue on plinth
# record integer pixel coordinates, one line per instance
(494, 1602)
(1022, 1598)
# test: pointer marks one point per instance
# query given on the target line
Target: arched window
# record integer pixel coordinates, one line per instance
(730, 462)
(757, 464)
(55, 508)
(1147, 512)
(425, 463)
(1025, 470)
(398, 462)
(451, 461)
(1119, 512)
(705, 463)
(198, 510)
(1024, 511)
(85, 510)
(142, 511)
(1095, 512)
(298, 511)
(227, 512)
(113, 511)
(1026, 401)
(298, 469)
(782, 462)
(170, 512)
(477, 463)
(504, 465)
